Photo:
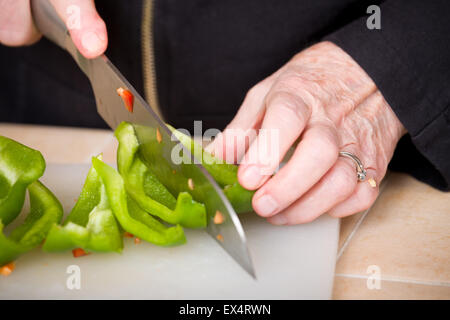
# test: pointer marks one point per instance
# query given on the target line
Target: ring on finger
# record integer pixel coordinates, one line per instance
(361, 172)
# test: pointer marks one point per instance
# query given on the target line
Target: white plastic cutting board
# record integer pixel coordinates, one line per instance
(295, 262)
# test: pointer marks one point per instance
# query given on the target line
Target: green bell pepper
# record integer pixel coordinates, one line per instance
(224, 174)
(146, 190)
(91, 224)
(129, 214)
(240, 198)
(44, 212)
(19, 167)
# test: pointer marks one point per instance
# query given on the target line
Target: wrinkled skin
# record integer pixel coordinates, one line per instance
(323, 100)
(17, 27)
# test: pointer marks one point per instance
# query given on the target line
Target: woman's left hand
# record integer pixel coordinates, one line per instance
(323, 97)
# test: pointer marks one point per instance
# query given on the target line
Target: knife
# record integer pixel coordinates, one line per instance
(105, 79)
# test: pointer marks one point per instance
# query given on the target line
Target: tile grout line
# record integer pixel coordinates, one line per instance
(356, 227)
(410, 281)
(350, 236)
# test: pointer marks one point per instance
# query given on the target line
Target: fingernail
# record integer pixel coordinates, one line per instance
(266, 205)
(251, 177)
(91, 42)
(278, 220)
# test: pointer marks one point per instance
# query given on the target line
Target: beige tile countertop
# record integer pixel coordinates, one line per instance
(399, 249)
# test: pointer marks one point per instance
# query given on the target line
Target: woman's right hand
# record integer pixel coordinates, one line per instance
(87, 29)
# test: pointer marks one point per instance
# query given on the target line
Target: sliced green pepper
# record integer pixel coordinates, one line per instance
(130, 216)
(91, 224)
(224, 174)
(150, 194)
(240, 198)
(19, 166)
(45, 211)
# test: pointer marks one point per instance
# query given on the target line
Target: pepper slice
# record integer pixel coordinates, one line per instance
(44, 212)
(150, 194)
(225, 174)
(127, 97)
(129, 214)
(240, 198)
(19, 166)
(91, 224)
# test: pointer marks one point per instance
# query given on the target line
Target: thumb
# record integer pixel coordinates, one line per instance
(87, 29)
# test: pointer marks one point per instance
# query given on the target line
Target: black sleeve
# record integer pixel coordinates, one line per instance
(409, 60)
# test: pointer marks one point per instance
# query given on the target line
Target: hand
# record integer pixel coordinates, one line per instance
(323, 100)
(89, 35)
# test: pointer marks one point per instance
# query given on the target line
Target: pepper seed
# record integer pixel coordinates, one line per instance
(218, 217)
(191, 184)
(158, 135)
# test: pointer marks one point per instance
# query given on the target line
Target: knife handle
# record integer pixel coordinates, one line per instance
(49, 23)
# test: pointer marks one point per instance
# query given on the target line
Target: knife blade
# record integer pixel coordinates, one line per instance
(105, 79)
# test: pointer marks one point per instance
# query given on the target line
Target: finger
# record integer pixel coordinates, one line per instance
(233, 142)
(316, 153)
(16, 23)
(284, 120)
(362, 199)
(336, 186)
(87, 29)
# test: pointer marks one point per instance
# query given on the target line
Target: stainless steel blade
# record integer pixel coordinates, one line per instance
(156, 152)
